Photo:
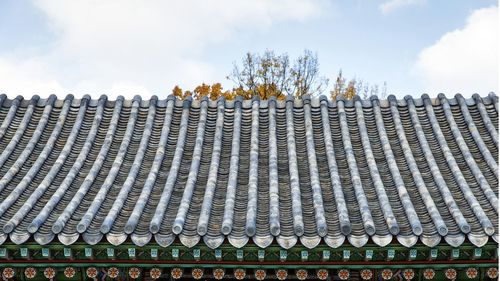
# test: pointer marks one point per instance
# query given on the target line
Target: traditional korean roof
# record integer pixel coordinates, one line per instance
(303, 170)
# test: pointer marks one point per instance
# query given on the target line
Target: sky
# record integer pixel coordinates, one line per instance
(132, 47)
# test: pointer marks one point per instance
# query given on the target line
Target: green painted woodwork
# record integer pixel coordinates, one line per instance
(438, 266)
(230, 257)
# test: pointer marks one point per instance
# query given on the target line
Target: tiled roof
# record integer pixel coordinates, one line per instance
(297, 171)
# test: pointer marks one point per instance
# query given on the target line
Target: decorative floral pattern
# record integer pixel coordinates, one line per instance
(260, 274)
(49, 273)
(69, 272)
(176, 272)
(219, 273)
(429, 273)
(386, 274)
(240, 274)
(281, 274)
(91, 272)
(301, 274)
(492, 272)
(8, 272)
(113, 272)
(450, 273)
(343, 274)
(155, 273)
(197, 273)
(134, 272)
(322, 274)
(409, 274)
(30, 272)
(471, 272)
(366, 274)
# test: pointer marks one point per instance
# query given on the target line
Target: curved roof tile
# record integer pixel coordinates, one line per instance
(307, 170)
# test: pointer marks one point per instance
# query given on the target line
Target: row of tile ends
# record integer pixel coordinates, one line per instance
(298, 101)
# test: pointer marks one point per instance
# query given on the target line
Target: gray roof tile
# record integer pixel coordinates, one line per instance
(307, 170)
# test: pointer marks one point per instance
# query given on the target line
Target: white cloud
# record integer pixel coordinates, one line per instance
(27, 77)
(392, 5)
(464, 60)
(136, 47)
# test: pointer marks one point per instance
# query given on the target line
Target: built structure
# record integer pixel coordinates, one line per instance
(249, 189)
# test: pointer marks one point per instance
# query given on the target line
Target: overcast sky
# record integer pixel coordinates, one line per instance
(147, 47)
